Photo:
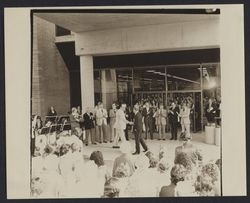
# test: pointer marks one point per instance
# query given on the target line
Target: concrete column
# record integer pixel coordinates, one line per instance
(87, 81)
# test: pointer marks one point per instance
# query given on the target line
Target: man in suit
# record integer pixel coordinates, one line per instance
(173, 114)
(138, 131)
(147, 114)
(89, 126)
(101, 122)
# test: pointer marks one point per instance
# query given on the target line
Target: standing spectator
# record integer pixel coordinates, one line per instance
(101, 122)
(89, 126)
(211, 110)
(160, 118)
(112, 115)
(147, 114)
(185, 121)
(173, 120)
(74, 121)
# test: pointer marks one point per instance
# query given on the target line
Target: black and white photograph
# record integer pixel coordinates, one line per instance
(129, 102)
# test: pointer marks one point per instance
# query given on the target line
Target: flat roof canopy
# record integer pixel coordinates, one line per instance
(83, 22)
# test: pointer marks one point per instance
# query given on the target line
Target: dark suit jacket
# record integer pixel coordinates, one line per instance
(138, 122)
(88, 122)
(173, 118)
(148, 116)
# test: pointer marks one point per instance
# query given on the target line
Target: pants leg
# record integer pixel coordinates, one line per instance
(163, 128)
(87, 133)
(175, 131)
(92, 135)
(100, 134)
(172, 130)
(144, 146)
(146, 130)
(117, 136)
(126, 133)
(182, 127)
(137, 142)
(122, 135)
(112, 134)
(151, 128)
(160, 131)
(187, 127)
(104, 131)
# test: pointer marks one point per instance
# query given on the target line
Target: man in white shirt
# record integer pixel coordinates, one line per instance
(101, 123)
(120, 125)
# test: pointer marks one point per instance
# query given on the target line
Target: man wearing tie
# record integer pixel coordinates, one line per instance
(138, 131)
(147, 114)
(101, 122)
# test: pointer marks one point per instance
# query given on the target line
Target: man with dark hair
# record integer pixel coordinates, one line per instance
(147, 114)
(173, 114)
(138, 131)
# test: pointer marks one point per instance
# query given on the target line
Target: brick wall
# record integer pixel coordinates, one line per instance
(50, 77)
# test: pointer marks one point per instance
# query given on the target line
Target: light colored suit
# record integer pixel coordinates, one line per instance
(112, 116)
(101, 117)
(120, 126)
(185, 121)
(160, 117)
(101, 124)
(121, 120)
(160, 121)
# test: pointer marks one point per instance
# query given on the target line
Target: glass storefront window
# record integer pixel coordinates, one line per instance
(149, 79)
(211, 76)
(124, 80)
(183, 78)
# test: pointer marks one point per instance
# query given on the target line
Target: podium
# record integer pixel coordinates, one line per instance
(209, 134)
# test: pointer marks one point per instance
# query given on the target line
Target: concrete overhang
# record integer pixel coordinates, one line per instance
(85, 22)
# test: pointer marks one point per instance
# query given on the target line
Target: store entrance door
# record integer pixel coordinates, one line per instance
(196, 108)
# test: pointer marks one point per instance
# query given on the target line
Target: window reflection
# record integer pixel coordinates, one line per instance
(124, 85)
(183, 78)
(150, 79)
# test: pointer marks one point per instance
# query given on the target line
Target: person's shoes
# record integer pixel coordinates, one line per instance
(86, 144)
(171, 138)
(175, 138)
(145, 150)
(159, 139)
(135, 153)
(164, 139)
(105, 141)
(111, 141)
(100, 142)
(116, 147)
(94, 143)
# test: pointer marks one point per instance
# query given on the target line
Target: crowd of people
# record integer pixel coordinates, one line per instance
(60, 168)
